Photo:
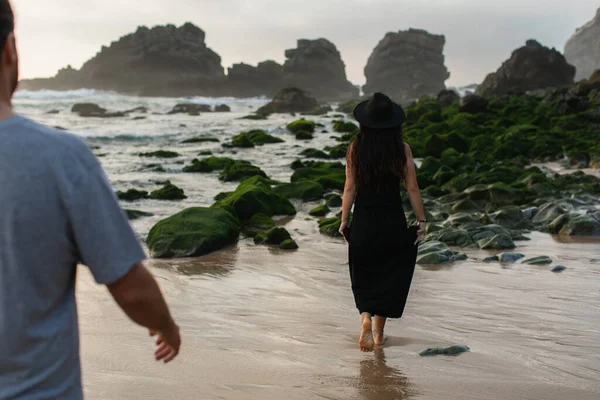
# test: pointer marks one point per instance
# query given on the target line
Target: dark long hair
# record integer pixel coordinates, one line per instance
(378, 158)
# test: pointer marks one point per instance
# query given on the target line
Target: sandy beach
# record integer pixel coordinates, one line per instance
(262, 325)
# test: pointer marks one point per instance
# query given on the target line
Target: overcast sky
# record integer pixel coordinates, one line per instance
(480, 34)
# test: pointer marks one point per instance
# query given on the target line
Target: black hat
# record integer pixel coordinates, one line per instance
(379, 113)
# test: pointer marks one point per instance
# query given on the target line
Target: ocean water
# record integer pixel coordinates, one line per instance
(261, 323)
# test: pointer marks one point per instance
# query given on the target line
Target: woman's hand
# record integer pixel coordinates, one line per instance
(420, 232)
(344, 226)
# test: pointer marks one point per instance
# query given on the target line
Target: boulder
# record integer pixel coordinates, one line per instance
(334, 200)
(136, 214)
(240, 170)
(437, 253)
(511, 217)
(209, 164)
(132, 195)
(289, 100)
(222, 108)
(317, 67)
(329, 177)
(314, 153)
(447, 97)
(498, 242)
(407, 65)
(473, 104)
(168, 192)
(548, 212)
(289, 244)
(254, 138)
(190, 109)
(304, 135)
(582, 225)
(274, 236)
(452, 237)
(303, 190)
(160, 154)
(203, 139)
(301, 125)
(258, 223)
(583, 48)
(193, 232)
(330, 226)
(559, 268)
(530, 67)
(255, 196)
(320, 211)
(510, 257)
(541, 260)
(344, 127)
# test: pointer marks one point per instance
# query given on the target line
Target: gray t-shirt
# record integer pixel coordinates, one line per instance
(57, 209)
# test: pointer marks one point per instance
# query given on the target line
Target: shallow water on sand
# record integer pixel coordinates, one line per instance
(259, 323)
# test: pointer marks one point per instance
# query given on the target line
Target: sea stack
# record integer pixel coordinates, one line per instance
(530, 67)
(316, 66)
(161, 61)
(407, 65)
(583, 48)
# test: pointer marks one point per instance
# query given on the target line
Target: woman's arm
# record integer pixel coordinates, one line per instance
(412, 186)
(349, 192)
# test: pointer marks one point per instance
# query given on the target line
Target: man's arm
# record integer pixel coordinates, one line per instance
(138, 294)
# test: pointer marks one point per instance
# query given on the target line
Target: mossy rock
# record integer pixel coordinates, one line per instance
(132, 195)
(344, 127)
(435, 252)
(338, 151)
(320, 211)
(320, 110)
(435, 146)
(314, 153)
(498, 242)
(540, 260)
(303, 190)
(154, 168)
(168, 192)
(259, 223)
(209, 164)
(205, 153)
(330, 226)
(274, 236)
(254, 138)
(201, 140)
(240, 170)
(466, 205)
(253, 196)
(160, 154)
(301, 125)
(289, 244)
(304, 135)
(193, 232)
(135, 214)
(582, 225)
(334, 200)
(329, 178)
(452, 237)
(256, 117)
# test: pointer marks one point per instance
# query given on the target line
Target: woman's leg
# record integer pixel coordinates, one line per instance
(378, 328)
(366, 342)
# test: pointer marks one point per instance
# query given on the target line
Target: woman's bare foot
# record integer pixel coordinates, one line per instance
(366, 342)
(379, 337)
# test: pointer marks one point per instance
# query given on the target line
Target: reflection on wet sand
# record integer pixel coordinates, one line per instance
(217, 264)
(379, 381)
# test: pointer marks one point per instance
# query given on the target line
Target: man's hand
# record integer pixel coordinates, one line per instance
(168, 343)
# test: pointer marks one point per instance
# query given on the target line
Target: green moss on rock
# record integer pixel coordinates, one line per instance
(344, 126)
(253, 196)
(320, 211)
(160, 154)
(193, 232)
(303, 190)
(132, 195)
(304, 135)
(301, 125)
(168, 192)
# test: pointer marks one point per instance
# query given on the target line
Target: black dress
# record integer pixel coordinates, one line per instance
(382, 254)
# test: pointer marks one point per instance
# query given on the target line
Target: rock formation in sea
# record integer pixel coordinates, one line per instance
(155, 61)
(407, 65)
(583, 48)
(316, 66)
(530, 67)
(244, 80)
(172, 61)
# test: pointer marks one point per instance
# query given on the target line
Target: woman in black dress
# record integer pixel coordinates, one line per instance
(382, 247)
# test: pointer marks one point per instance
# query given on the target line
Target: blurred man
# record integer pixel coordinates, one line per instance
(57, 209)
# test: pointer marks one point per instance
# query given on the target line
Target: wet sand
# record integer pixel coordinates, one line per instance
(260, 324)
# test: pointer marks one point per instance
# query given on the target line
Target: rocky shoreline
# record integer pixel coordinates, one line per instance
(476, 171)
